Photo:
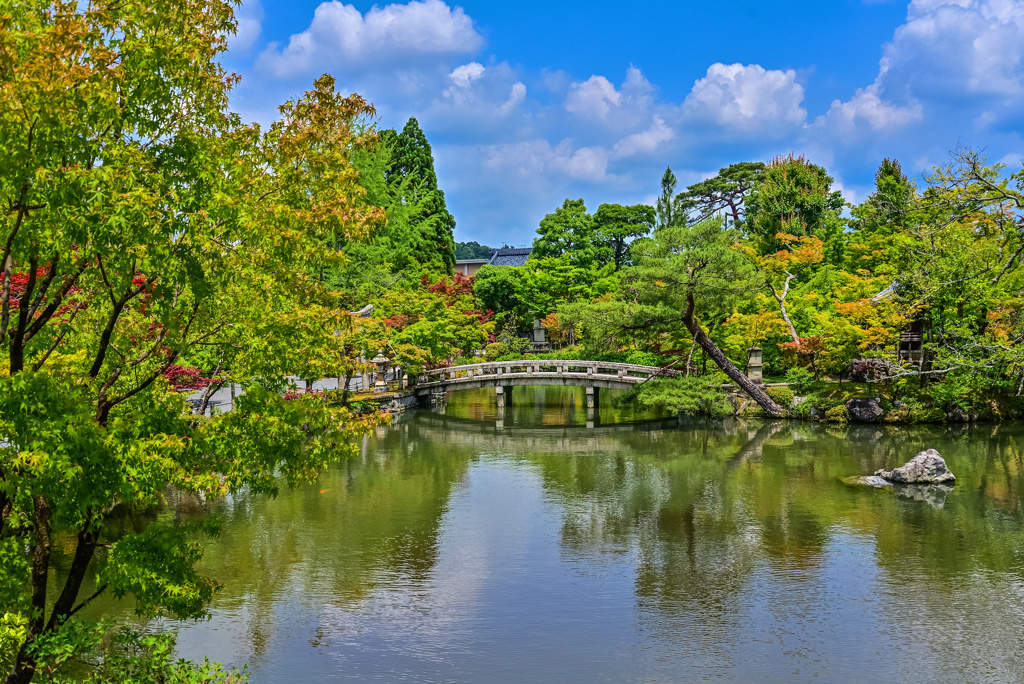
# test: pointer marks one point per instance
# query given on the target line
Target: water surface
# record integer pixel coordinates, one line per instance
(545, 551)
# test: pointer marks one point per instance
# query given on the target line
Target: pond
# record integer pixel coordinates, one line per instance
(453, 550)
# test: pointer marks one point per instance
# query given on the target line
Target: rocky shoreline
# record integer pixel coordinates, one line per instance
(874, 409)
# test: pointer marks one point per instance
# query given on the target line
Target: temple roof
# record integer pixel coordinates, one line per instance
(509, 256)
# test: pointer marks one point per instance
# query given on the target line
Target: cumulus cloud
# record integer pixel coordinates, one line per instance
(538, 159)
(477, 94)
(958, 47)
(598, 101)
(947, 54)
(645, 142)
(467, 73)
(867, 108)
(747, 99)
(250, 24)
(593, 97)
(340, 35)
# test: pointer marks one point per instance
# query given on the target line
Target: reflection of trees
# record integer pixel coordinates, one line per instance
(706, 512)
(706, 505)
(542, 405)
(365, 521)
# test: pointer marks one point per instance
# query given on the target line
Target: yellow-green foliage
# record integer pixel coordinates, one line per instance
(783, 396)
(837, 414)
(12, 633)
(495, 350)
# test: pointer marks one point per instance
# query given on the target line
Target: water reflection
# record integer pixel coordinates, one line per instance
(455, 551)
(543, 407)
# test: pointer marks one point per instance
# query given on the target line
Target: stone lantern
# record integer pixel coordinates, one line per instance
(382, 365)
(754, 365)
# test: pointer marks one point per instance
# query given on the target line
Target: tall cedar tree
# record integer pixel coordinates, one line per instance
(413, 158)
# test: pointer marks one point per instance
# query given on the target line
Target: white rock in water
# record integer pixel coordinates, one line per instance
(928, 467)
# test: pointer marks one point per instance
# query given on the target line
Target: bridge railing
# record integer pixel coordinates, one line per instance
(626, 372)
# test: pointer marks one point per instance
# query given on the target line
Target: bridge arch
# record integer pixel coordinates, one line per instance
(591, 375)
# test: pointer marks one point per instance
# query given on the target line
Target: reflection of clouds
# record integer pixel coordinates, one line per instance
(484, 532)
(726, 551)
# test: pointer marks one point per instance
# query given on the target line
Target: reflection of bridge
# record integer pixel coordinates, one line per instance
(504, 375)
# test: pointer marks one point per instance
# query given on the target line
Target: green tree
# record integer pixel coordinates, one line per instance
(794, 197)
(883, 214)
(617, 225)
(568, 231)
(724, 194)
(412, 159)
(679, 276)
(471, 250)
(958, 264)
(145, 225)
(402, 246)
(666, 207)
(500, 289)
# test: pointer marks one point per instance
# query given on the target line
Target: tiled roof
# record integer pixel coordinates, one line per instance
(509, 257)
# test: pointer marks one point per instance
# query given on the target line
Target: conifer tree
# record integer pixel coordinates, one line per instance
(413, 160)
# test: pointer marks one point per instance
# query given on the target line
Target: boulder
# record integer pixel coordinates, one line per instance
(865, 410)
(866, 481)
(928, 467)
(958, 415)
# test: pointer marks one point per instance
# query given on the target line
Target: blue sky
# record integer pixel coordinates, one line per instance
(530, 102)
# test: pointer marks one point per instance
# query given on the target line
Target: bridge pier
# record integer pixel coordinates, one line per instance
(504, 395)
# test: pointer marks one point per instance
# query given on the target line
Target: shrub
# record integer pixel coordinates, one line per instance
(837, 414)
(783, 396)
(494, 350)
(800, 378)
(644, 358)
(803, 410)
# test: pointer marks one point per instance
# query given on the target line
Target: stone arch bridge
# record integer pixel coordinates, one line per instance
(504, 375)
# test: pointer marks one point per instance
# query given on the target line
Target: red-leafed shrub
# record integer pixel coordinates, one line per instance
(186, 378)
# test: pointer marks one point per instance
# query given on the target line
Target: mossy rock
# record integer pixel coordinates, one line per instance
(751, 409)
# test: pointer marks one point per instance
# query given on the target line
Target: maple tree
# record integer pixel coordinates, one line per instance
(147, 227)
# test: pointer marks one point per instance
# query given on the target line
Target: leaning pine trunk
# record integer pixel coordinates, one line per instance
(754, 391)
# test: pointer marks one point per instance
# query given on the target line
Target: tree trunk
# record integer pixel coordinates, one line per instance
(24, 664)
(754, 391)
(781, 299)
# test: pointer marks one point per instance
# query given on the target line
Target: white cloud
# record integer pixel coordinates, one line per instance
(747, 99)
(866, 106)
(467, 73)
(537, 159)
(647, 141)
(395, 34)
(598, 100)
(516, 96)
(945, 52)
(478, 97)
(249, 17)
(593, 97)
(958, 47)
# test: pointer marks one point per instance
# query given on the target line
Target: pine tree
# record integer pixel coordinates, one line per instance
(666, 203)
